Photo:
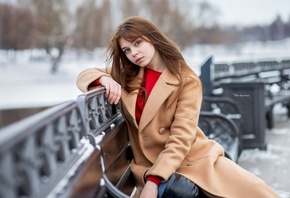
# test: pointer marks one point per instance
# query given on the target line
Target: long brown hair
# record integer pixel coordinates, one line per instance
(124, 71)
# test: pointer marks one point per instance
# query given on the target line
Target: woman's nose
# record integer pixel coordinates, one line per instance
(134, 52)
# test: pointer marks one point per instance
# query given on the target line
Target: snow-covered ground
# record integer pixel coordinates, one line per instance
(251, 51)
(29, 83)
(26, 81)
(272, 165)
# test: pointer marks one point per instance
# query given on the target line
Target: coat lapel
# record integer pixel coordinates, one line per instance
(160, 92)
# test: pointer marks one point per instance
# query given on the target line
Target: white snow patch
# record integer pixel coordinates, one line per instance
(283, 194)
(277, 131)
(253, 155)
(26, 81)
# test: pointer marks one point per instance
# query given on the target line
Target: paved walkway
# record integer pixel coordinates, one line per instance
(272, 165)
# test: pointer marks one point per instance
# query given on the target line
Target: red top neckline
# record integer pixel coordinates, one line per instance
(149, 79)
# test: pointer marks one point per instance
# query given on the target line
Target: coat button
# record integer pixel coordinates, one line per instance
(161, 131)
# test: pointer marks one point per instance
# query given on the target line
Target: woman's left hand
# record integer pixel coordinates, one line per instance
(113, 89)
(150, 190)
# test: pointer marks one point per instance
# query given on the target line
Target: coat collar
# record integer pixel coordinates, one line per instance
(160, 92)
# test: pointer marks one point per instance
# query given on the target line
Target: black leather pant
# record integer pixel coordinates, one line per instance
(179, 186)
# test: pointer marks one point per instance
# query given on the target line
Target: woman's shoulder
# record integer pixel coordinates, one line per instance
(189, 76)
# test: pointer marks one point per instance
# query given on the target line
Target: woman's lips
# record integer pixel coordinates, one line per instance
(138, 60)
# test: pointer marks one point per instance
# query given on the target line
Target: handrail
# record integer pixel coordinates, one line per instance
(40, 155)
(95, 110)
(40, 149)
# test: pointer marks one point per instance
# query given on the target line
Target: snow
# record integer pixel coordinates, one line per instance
(26, 81)
(271, 165)
(250, 51)
(29, 83)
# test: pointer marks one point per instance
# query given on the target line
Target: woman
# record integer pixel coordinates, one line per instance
(160, 99)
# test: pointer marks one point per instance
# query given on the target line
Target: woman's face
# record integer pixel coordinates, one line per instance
(140, 51)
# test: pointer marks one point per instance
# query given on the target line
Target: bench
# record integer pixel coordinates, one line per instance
(270, 73)
(250, 84)
(115, 151)
(111, 140)
(216, 126)
(229, 111)
(80, 149)
(223, 130)
(223, 105)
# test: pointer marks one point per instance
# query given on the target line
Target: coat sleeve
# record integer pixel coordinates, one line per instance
(183, 130)
(86, 77)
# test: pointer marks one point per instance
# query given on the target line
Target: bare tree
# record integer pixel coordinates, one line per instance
(53, 27)
(90, 24)
(277, 29)
(15, 28)
(93, 24)
(6, 16)
(178, 19)
(131, 8)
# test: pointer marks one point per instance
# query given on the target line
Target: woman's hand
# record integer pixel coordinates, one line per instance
(113, 89)
(150, 190)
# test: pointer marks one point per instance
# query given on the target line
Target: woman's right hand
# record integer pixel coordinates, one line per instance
(150, 190)
(113, 89)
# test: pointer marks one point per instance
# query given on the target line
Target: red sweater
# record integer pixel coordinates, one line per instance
(149, 80)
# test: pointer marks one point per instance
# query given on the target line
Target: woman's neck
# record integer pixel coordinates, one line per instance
(157, 63)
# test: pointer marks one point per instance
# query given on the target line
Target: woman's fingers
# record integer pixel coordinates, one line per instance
(114, 93)
(119, 95)
(113, 89)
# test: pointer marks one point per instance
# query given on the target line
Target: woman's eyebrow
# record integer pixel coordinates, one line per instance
(123, 48)
(130, 42)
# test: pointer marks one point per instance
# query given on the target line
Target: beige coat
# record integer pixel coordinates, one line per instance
(168, 139)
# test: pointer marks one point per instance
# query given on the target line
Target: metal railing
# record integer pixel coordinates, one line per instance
(40, 154)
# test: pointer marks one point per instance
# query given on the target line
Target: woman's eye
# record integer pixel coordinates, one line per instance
(137, 43)
(126, 51)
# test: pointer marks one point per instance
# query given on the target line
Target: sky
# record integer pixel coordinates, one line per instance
(251, 12)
